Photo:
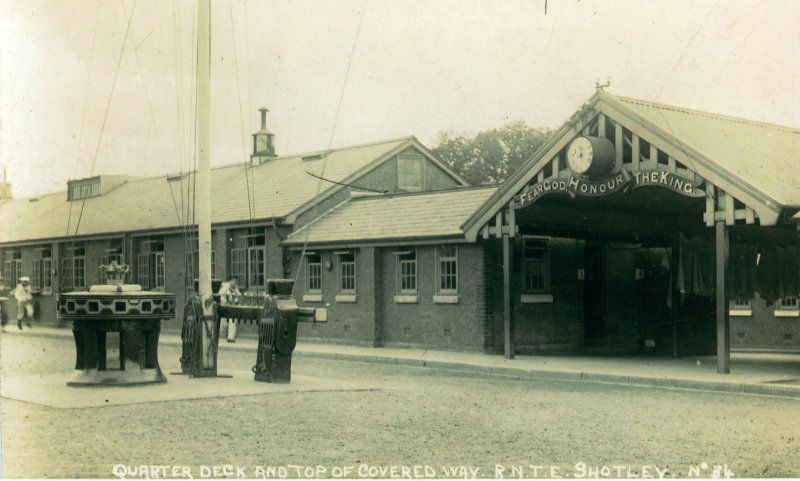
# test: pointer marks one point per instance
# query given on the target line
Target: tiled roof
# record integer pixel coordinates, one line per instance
(763, 155)
(394, 217)
(281, 185)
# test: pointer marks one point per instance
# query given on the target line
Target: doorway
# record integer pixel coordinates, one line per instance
(594, 293)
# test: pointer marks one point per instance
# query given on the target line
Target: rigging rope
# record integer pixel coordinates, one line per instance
(80, 131)
(330, 143)
(108, 108)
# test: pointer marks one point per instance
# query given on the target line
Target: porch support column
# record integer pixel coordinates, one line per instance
(723, 318)
(508, 315)
(676, 295)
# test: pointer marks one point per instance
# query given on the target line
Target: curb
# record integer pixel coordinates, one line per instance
(768, 389)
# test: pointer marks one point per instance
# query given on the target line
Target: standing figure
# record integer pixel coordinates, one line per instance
(24, 296)
(229, 295)
(3, 305)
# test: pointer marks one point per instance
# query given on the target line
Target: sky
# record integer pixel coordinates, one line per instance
(93, 87)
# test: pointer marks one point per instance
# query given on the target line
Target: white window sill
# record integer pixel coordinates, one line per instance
(312, 297)
(446, 299)
(740, 312)
(345, 298)
(786, 313)
(406, 299)
(536, 298)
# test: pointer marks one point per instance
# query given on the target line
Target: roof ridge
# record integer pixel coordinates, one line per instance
(712, 115)
(320, 217)
(425, 192)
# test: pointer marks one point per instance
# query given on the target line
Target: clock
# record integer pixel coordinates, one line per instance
(261, 143)
(590, 155)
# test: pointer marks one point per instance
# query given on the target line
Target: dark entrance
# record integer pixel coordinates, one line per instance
(594, 294)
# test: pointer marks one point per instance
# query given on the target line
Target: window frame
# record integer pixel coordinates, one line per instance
(151, 264)
(69, 267)
(787, 307)
(543, 263)
(401, 262)
(316, 265)
(403, 172)
(238, 265)
(341, 264)
(440, 275)
(252, 276)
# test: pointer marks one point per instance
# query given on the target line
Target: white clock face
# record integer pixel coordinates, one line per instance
(261, 143)
(579, 155)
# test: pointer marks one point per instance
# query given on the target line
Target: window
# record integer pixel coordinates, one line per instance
(47, 272)
(255, 266)
(788, 307)
(73, 267)
(740, 307)
(347, 272)
(407, 271)
(12, 267)
(249, 263)
(239, 264)
(160, 270)
(193, 266)
(83, 189)
(447, 266)
(409, 172)
(151, 264)
(535, 265)
(36, 274)
(42, 274)
(314, 272)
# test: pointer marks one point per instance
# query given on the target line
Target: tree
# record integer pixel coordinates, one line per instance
(492, 155)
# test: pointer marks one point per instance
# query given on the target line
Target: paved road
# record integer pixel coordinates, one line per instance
(418, 417)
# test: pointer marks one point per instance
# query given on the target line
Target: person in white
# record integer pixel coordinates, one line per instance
(229, 295)
(22, 293)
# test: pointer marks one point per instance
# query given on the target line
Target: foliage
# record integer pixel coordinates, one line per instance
(489, 157)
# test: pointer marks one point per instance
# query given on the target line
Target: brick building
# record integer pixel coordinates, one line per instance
(60, 239)
(560, 259)
(606, 240)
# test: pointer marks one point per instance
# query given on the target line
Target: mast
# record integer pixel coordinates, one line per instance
(203, 178)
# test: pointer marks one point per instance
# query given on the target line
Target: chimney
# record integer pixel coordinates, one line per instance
(263, 142)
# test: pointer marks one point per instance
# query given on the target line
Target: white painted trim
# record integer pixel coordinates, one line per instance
(406, 299)
(312, 297)
(446, 299)
(536, 299)
(740, 312)
(345, 298)
(787, 313)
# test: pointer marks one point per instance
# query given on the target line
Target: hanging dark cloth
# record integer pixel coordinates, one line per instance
(788, 285)
(743, 270)
(697, 267)
(767, 273)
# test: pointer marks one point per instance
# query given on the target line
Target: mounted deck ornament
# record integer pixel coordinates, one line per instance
(200, 337)
(277, 332)
(116, 307)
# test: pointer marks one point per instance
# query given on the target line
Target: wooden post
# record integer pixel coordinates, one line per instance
(723, 318)
(673, 279)
(508, 316)
(203, 186)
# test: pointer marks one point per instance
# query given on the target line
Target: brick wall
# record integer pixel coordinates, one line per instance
(458, 326)
(764, 330)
